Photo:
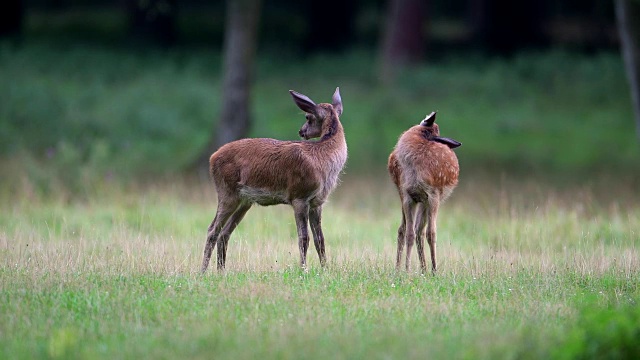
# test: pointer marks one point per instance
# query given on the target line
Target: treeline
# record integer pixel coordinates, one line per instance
(492, 26)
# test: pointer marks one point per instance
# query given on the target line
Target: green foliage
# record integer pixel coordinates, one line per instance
(603, 333)
(72, 115)
(105, 112)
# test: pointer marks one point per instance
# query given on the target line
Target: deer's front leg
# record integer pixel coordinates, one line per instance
(315, 219)
(301, 211)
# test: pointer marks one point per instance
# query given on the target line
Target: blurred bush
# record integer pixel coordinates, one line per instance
(76, 114)
(105, 112)
(603, 333)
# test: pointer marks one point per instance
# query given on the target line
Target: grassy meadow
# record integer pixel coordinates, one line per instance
(520, 273)
(103, 223)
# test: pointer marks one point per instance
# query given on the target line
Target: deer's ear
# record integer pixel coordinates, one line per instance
(429, 119)
(336, 101)
(452, 144)
(304, 103)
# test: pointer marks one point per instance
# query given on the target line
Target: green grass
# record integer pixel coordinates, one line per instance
(526, 270)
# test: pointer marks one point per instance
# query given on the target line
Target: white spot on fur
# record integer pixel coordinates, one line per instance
(263, 196)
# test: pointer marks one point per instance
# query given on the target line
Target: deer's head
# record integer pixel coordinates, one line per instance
(321, 118)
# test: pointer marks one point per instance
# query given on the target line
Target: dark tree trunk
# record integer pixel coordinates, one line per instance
(403, 42)
(11, 18)
(628, 16)
(152, 21)
(240, 43)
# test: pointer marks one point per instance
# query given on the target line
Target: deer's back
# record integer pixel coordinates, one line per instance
(426, 166)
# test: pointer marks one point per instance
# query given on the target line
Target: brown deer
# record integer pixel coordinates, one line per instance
(425, 170)
(270, 172)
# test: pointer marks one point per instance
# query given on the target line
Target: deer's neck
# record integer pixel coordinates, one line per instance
(331, 153)
(332, 138)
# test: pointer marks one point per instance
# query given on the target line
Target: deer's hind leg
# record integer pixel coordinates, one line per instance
(223, 238)
(401, 241)
(434, 204)
(225, 210)
(409, 207)
(421, 224)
